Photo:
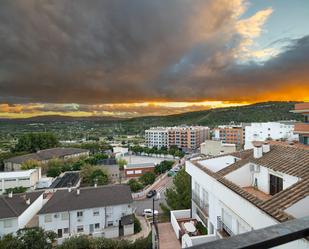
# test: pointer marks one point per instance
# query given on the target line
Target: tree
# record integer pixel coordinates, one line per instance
(16, 190)
(179, 197)
(148, 178)
(137, 225)
(121, 163)
(135, 185)
(163, 166)
(54, 168)
(32, 142)
(30, 164)
(93, 174)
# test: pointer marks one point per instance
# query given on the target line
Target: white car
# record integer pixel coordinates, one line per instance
(148, 212)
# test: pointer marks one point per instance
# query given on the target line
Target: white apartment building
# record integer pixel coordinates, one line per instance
(17, 210)
(157, 137)
(98, 211)
(215, 148)
(24, 178)
(186, 137)
(269, 130)
(248, 190)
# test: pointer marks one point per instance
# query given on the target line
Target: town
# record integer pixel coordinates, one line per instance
(179, 187)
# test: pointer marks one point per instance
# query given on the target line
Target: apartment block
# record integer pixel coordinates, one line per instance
(230, 134)
(244, 191)
(302, 128)
(186, 137)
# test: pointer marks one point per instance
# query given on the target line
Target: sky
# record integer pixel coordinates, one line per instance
(144, 57)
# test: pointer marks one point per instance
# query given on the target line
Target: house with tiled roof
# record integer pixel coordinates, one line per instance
(234, 194)
(16, 211)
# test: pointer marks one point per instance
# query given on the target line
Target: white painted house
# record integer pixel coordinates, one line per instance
(216, 147)
(269, 130)
(98, 211)
(255, 189)
(17, 210)
(22, 178)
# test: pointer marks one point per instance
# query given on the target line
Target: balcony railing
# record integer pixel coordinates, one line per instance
(202, 205)
(223, 229)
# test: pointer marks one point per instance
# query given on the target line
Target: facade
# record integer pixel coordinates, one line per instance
(186, 137)
(249, 190)
(269, 130)
(138, 169)
(43, 156)
(17, 210)
(98, 211)
(302, 129)
(156, 137)
(215, 148)
(230, 134)
(25, 178)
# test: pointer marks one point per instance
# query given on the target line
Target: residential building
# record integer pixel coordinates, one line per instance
(156, 137)
(185, 137)
(17, 210)
(120, 151)
(111, 167)
(302, 128)
(43, 156)
(215, 148)
(24, 178)
(138, 169)
(248, 190)
(283, 130)
(70, 179)
(98, 211)
(230, 134)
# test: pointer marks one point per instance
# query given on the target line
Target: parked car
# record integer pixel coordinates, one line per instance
(151, 193)
(148, 212)
(171, 173)
(176, 169)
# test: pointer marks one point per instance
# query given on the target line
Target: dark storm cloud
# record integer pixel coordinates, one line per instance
(109, 51)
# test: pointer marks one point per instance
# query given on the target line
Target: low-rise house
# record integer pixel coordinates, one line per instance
(215, 148)
(138, 169)
(43, 156)
(23, 178)
(98, 211)
(17, 210)
(111, 167)
(240, 192)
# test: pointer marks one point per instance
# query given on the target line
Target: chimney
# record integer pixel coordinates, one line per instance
(10, 195)
(69, 187)
(28, 201)
(95, 185)
(78, 191)
(266, 147)
(257, 150)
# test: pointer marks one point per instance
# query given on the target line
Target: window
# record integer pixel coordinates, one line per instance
(66, 230)
(110, 223)
(79, 213)
(96, 212)
(64, 216)
(80, 229)
(275, 184)
(97, 225)
(7, 223)
(48, 218)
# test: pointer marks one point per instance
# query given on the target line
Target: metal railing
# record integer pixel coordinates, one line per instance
(268, 237)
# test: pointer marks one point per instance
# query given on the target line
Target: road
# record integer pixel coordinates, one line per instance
(140, 205)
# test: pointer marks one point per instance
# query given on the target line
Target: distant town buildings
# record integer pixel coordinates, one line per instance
(24, 178)
(185, 137)
(302, 128)
(215, 148)
(138, 169)
(43, 156)
(269, 131)
(243, 191)
(17, 210)
(231, 134)
(98, 211)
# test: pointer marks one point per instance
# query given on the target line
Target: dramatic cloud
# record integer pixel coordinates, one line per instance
(112, 51)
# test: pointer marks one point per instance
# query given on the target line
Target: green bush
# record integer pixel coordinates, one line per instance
(16, 190)
(135, 185)
(137, 225)
(148, 178)
(200, 227)
(163, 167)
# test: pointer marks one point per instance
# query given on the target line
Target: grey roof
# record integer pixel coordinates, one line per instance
(140, 165)
(108, 161)
(69, 179)
(15, 206)
(63, 200)
(46, 155)
(127, 220)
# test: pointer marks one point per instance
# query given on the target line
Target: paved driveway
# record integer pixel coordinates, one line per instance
(167, 237)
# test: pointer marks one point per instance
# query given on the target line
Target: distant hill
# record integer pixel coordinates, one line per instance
(62, 118)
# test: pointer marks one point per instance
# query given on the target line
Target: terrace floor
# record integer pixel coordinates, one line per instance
(257, 193)
(167, 237)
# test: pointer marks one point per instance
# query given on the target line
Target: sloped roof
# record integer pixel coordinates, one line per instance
(63, 200)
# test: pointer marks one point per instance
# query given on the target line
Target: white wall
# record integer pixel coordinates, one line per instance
(12, 229)
(299, 209)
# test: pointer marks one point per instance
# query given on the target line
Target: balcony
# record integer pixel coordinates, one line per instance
(223, 230)
(202, 205)
(302, 128)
